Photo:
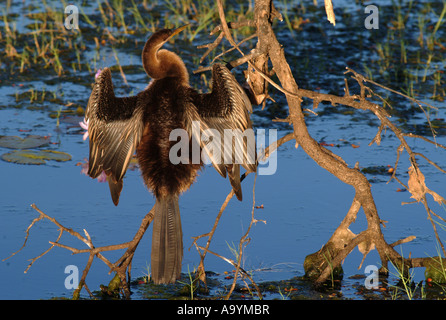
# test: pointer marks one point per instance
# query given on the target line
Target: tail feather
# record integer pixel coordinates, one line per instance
(167, 241)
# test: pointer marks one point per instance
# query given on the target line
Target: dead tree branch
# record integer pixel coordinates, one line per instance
(257, 74)
(122, 265)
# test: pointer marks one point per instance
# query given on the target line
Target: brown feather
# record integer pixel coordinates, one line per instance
(115, 129)
(226, 108)
(167, 241)
(120, 126)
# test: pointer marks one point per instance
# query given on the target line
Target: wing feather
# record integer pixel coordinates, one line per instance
(115, 127)
(226, 109)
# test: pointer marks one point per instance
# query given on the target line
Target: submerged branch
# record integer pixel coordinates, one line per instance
(119, 267)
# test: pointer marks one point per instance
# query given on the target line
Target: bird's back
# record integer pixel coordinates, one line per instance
(165, 103)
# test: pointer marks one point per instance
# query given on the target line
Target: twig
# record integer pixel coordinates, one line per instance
(40, 217)
(266, 153)
(120, 266)
(210, 46)
(232, 48)
(242, 271)
(361, 78)
(225, 30)
(430, 161)
(243, 240)
(412, 135)
(401, 241)
(201, 269)
(234, 25)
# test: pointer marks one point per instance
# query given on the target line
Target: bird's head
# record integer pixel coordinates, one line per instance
(159, 38)
(161, 63)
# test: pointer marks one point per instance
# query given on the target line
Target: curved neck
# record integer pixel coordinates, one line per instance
(160, 64)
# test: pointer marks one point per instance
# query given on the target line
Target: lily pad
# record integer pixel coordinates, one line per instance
(35, 156)
(29, 142)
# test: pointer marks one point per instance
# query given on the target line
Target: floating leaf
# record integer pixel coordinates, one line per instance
(35, 156)
(418, 188)
(29, 142)
(416, 184)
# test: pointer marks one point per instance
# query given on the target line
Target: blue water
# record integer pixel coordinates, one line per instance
(302, 205)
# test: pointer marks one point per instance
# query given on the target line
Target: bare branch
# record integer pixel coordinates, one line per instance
(120, 266)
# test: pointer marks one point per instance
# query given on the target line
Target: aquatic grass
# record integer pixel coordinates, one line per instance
(87, 18)
(406, 285)
(58, 67)
(138, 18)
(401, 19)
(438, 85)
(412, 44)
(234, 251)
(11, 36)
(32, 93)
(49, 45)
(59, 112)
(146, 276)
(45, 43)
(119, 65)
(282, 296)
(205, 15)
(440, 20)
(119, 10)
(440, 280)
(78, 56)
(174, 7)
(421, 27)
(24, 60)
(104, 18)
(204, 21)
(40, 49)
(285, 15)
(330, 264)
(192, 284)
(403, 51)
(42, 99)
(8, 32)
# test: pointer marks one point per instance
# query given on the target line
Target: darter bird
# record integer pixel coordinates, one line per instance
(119, 126)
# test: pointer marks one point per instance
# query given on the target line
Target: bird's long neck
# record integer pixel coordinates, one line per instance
(162, 63)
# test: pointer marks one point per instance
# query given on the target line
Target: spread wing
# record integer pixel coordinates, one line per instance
(115, 127)
(224, 112)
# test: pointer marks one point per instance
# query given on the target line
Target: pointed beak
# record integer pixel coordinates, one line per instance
(177, 31)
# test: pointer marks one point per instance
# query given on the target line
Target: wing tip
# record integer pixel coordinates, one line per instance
(115, 189)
